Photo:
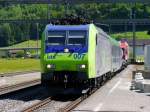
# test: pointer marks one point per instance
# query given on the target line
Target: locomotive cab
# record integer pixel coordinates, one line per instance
(65, 52)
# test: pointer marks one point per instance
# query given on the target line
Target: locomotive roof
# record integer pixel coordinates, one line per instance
(67, 27)
(80, 27)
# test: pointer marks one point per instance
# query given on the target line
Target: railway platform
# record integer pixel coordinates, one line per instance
(117, 96)
(19, 78)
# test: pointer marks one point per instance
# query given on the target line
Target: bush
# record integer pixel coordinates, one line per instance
(4, 57)
(148, 32)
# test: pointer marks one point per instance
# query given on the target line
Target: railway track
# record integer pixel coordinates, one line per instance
(73, 104)
(45, 102)
(48, 100)
(38, 105)
(12, 88)
(68, 107)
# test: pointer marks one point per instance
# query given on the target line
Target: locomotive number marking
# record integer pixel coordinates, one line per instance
(79, 56)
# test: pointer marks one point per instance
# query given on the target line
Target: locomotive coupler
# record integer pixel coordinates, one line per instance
(65, 81)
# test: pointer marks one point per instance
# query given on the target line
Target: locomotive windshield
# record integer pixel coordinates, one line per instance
(77, 38)
(56, 37)
(73, 37)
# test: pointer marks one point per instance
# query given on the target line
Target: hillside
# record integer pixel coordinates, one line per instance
(128, 35)
(13, 33)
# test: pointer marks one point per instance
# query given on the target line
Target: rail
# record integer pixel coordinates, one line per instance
(38, 105)
(12, 88)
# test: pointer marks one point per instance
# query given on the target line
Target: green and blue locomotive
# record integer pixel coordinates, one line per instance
(79, 54)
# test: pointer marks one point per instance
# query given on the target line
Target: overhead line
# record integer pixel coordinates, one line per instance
(107, 21)
(71, 1)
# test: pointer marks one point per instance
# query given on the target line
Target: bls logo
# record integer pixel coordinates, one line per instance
(51, 57)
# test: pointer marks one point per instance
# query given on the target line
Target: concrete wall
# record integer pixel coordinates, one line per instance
(146, 74)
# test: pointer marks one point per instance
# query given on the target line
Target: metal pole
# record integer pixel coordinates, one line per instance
(132, 16)
(66, 7)
(134, 41)
(28, 38)
(48, 12)
(109, 28)
(37, 25)
(27, 51)
(125, 30)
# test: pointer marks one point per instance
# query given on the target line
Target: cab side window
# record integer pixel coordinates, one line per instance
(96, 39)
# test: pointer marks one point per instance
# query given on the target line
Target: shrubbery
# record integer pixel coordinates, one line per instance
(14, 33)
(148, 32)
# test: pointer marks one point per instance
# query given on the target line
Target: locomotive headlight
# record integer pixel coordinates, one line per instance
(83, 66)
(66, 50)
(50, 66)
(138, 61)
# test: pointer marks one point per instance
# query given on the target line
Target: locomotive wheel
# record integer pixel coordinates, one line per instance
(103, 80)
(109, 75)
(45, 78)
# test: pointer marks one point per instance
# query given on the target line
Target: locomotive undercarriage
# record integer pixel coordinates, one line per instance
(65, 79)
(68, 80)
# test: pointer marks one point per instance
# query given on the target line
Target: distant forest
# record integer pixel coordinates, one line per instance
(15, 33)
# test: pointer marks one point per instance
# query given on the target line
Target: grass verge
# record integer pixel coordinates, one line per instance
(129, 35)
(18, 65)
